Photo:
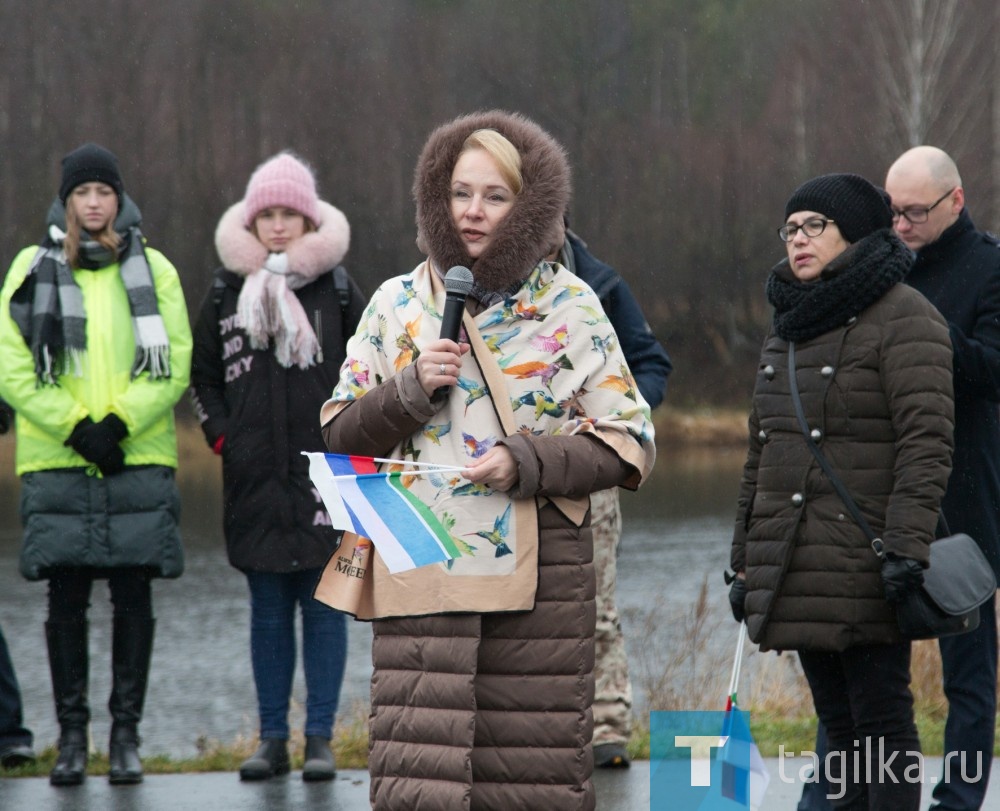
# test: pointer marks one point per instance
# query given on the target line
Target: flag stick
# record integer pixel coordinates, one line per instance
(432, 466)
(734, 679)
(345, 476)
(428, 465)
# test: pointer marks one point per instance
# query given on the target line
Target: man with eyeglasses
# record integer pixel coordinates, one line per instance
(958, 268)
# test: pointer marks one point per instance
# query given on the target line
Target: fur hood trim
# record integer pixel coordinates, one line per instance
(309, 256)
(532, 229)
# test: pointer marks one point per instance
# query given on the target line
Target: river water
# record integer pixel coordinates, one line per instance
(676, 534)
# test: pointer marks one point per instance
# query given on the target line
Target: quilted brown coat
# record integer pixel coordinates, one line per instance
(492, 711)
(879, 391)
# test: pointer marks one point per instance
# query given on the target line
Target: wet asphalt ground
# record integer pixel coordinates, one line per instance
(618, 790)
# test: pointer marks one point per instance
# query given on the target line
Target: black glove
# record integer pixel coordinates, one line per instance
(737, 597)
(900, 576)
(6, 417)
(98, 442)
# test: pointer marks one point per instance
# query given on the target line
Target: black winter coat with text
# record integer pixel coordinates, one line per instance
(274, 521)
(960, 274)
(878, 389)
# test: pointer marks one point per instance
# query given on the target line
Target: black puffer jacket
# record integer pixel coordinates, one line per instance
(879, 390)
(268, 415)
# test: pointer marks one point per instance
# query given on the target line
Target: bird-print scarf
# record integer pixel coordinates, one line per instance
(564, 373)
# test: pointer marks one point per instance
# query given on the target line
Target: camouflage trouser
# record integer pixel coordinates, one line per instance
(612, 689)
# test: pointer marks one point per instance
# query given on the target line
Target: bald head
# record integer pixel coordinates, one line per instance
(929, 163)
(922, 178)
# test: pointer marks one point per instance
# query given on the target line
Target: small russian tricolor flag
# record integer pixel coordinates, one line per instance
(377, 506)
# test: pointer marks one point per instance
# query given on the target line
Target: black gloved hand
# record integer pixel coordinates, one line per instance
(737, 598)
(98, 442)
(6, 417)
(900, 576)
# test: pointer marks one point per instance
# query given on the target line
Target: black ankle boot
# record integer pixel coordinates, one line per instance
(270, 760)
(319, 763)
(69, 665)
(125, 768)
(71, 765)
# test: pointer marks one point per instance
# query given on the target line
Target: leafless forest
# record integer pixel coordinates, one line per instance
(688, 122)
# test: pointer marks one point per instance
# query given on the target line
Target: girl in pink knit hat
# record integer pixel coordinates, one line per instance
(269, 342)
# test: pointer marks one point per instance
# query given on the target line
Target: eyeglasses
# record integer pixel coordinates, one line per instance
(919, 214)
(811, 228)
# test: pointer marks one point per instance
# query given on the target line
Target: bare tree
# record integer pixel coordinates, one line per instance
(925, 51)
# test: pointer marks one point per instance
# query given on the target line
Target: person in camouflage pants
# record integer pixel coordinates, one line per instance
(612, 687)
(650, 366)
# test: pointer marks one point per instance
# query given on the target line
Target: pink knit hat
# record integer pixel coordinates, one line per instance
(281, 181)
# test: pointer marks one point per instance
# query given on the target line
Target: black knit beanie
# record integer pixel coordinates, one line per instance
(90, 163)
(858, 207)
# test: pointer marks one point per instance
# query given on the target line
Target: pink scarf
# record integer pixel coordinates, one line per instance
(268, 308)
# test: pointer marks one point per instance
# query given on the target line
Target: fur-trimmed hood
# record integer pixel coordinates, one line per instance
(309, 256)
(532, 229)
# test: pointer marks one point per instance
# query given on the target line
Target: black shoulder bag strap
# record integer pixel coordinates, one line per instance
(343, 287)
(838, 485)
(218, 291)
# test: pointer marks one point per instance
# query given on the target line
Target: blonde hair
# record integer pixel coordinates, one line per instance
(107, 237)
(507, 158)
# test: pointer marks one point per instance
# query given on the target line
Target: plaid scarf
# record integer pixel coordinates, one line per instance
(48, 306)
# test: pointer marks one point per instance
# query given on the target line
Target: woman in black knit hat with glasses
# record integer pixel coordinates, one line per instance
(96, 351)
(873, 368)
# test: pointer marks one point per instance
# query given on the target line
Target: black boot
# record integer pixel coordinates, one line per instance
(68, 663)
(270, 759)
(319, 764)
(124, 766)
(71, 765)
(131, 649)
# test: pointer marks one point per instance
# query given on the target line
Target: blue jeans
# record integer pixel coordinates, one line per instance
(12, 730)
(272, 651)
(969, 662)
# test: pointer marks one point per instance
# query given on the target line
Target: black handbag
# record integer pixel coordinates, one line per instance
(959, 579)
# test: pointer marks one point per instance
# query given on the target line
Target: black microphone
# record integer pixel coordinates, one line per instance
(458, 285)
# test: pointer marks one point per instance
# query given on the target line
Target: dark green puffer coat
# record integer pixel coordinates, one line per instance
(72, 519)
(879, 389)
